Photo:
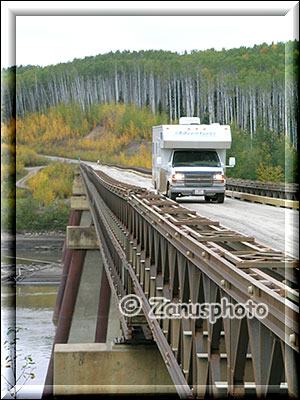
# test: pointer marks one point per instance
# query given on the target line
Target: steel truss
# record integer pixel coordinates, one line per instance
(153, 247)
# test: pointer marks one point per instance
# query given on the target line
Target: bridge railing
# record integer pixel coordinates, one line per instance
(228, 316)
(278, 190)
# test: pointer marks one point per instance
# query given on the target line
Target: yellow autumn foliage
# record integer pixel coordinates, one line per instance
(270, 173)
(52, 183)
(63, 131)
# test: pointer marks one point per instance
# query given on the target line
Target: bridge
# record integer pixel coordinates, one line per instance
(156, 299)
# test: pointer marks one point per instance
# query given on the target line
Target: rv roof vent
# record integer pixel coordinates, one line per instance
(189, 121)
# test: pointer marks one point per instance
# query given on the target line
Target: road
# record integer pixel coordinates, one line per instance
(275, 227)
(31, 171)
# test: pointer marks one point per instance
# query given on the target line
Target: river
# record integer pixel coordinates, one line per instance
(29, 305)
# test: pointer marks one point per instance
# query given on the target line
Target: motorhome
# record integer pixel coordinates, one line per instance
(189, 159)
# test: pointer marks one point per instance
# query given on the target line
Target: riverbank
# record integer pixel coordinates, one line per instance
(32, 257)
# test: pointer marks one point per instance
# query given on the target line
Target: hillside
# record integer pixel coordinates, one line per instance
(122, 134)
(253, 88)
(104, 107)
(114, 133)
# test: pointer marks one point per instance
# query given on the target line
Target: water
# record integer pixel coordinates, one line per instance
(34, 311)
(30, 306)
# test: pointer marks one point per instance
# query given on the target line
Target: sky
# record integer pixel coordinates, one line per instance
(50, 39)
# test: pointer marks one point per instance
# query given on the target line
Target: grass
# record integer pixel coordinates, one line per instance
(45, 205)
(32, 216)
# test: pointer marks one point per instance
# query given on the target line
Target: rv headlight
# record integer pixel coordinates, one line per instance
(219, 177)
(178, 177)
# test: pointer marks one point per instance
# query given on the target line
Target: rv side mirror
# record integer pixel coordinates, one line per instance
(231, 161)
(158, 161)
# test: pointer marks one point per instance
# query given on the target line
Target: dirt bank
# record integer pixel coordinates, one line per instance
(32, 257)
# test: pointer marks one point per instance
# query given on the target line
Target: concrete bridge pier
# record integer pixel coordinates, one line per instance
(85, 361)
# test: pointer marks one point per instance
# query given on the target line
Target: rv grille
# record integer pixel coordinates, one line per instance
(198, 179)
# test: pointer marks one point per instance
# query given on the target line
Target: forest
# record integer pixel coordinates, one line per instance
(104, 107)
(254, 88)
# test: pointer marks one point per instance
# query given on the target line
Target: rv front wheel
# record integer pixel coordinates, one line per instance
(220, 197)
(171, 195)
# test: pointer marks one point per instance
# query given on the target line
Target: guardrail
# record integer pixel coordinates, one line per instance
(153, 247)
(288, 191)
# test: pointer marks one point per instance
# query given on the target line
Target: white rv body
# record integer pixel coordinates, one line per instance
(190, 140)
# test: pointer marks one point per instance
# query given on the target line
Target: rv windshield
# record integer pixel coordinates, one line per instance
(196, 158)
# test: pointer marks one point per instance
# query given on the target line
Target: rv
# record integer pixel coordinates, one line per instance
(189, 159)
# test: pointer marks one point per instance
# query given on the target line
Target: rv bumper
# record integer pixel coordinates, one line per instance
(189, 191)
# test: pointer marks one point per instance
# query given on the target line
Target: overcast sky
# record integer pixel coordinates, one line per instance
(45, 40)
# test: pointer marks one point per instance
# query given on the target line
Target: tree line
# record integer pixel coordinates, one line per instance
(254, 88)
